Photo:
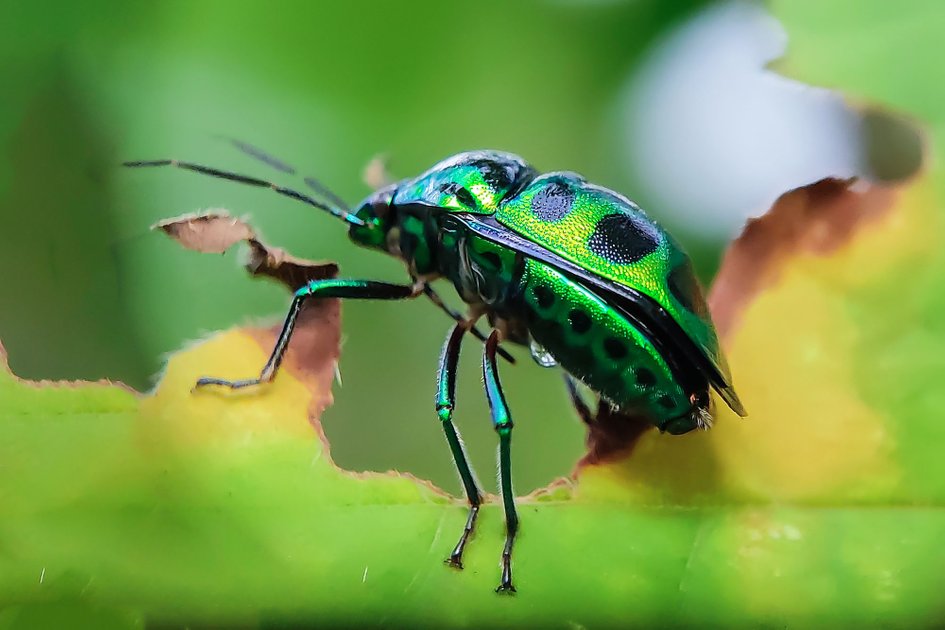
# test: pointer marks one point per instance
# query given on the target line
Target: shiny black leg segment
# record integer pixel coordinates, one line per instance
(445, 403)
(502, 421)
(458, 318)
(334, 288)
(583, 411)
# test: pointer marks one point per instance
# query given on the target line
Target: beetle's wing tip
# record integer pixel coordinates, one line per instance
(731, 399)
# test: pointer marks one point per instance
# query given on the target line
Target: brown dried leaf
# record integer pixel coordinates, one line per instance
(375, 174)
(818, 218)
(612, 435)
(216, 231)
(278, 264)
(211, 233)
(316, 337)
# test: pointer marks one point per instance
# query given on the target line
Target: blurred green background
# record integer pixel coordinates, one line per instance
(88, 292)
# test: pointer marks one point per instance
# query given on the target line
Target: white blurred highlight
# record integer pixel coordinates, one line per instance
(715, 138)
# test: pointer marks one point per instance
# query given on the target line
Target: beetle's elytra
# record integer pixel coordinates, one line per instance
(575, 271)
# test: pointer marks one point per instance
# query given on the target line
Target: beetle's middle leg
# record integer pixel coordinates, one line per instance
(502, 421)
(333, 288)
(445, 403)
(458, 317)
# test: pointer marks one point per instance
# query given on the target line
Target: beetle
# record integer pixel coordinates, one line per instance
(575, 271)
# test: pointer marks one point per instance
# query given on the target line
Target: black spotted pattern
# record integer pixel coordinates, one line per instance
(644, 377)
(621, 239)
(615, 348)
(466, 198)
(499, 177)
(686, 289)
(580, 321)
(553, 202)
(544, 296)
(463, 196)
(667, 402)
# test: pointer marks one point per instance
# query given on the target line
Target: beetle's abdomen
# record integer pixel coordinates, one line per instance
(596, 344)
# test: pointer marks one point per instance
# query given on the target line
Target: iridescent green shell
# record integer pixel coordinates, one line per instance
(605, 239)
(610, 236)
(474, 182)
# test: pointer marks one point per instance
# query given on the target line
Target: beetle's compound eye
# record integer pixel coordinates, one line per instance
(375, 213)
(376, 209)
(363, 212)
(381, 209)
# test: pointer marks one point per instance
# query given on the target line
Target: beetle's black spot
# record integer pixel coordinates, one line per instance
(580, 322)
(544, 296)
(622, 239)
(463, 196)
(553, 202)
(667, 402)
(498, 176)
(492, 260)
(686, 289)
(615, 348)
(644, 377)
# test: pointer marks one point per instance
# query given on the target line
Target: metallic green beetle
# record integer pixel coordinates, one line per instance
(575, 271)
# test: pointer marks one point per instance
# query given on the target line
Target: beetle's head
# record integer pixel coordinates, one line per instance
(378, 216)
(698, 416)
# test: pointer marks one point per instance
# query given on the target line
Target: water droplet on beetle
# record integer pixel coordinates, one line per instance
(542, 357)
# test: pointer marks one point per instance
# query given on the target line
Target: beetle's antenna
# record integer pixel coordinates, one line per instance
(261, 155)
(343, 214)
(319, 187)
(282, 167)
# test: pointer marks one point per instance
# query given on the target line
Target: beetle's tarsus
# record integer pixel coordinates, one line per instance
(456, 558)
(505, 587)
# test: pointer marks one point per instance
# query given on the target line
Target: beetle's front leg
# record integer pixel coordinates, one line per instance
(334, 288)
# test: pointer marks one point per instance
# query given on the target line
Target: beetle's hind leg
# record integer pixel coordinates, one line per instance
(445, 403)
(334, 288)
(502, 421)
